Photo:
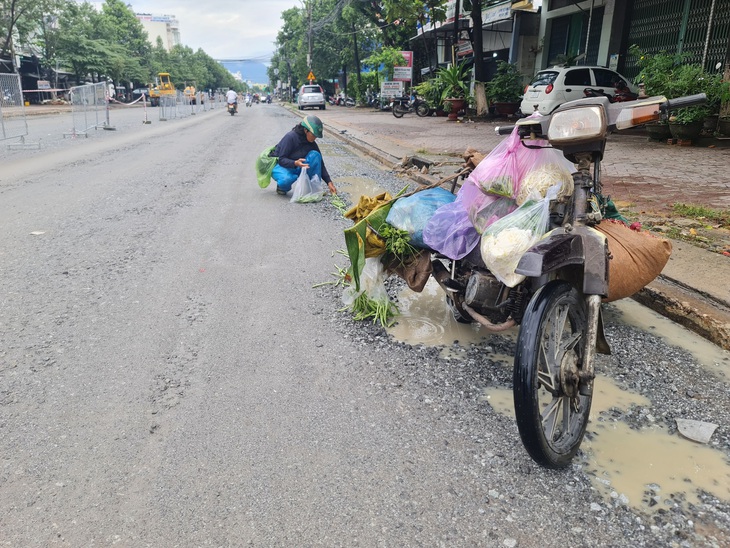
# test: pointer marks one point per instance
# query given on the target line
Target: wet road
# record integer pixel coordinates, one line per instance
(169, 374)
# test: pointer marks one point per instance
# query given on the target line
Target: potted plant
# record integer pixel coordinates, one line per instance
(431, 91)
(454, 82)
(505, 89)
(656, 71)
(687, 123)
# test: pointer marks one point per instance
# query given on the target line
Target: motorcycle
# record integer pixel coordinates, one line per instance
(558, 305)
(232, 108)
(621, 93)
(404, 105)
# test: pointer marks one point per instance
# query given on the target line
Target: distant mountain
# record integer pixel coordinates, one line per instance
(250, 71)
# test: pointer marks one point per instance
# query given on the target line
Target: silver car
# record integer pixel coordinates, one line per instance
(311, 96)
(554, 86)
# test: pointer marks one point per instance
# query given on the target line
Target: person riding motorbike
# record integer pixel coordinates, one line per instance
(249, 99)
(298, 149)
(232, 98)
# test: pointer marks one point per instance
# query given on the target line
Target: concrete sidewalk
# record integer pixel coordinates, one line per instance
(694, 288)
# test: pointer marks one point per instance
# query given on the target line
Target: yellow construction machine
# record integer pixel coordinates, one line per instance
(162, 88)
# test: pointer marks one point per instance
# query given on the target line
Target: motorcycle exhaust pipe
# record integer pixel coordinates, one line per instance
(491, 327)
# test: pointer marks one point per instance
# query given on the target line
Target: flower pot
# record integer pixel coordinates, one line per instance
(506, 109)
(710, 123)
(657, 131)
(457, 104)
(686, 132)
(723, 126)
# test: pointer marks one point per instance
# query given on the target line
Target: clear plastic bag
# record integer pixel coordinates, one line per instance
(307, 189)
(505, 241)
(542, 169)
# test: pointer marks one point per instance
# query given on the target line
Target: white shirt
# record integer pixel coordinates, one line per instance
(231, 96)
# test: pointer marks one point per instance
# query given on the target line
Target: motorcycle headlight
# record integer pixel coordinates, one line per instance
(576, 125)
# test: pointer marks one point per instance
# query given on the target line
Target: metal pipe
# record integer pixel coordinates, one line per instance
(492, 327)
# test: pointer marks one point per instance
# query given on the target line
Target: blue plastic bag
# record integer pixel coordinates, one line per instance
(412, 213)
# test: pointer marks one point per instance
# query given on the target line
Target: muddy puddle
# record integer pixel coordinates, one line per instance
(359, 186)
(646, 469)
(425, 319)
(629, 312)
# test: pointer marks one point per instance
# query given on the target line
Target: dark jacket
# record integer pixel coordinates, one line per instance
(294, 145)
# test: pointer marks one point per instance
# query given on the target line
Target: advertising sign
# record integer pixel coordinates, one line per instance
(404, 73)
(391, 89)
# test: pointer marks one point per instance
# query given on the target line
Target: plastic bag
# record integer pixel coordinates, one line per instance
(307, 190)
(264, 166)
(499, 172)
(542, 169)
(413, 212)
(450, 231)
(505, 241)
(494, 208)
(370, 300)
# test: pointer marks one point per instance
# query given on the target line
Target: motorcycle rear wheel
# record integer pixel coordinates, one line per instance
(423, 110)
(399, 110)
(551, 413)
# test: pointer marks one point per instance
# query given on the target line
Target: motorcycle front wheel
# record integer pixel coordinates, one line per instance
(551, 413)
(423, 110)
(399, 110)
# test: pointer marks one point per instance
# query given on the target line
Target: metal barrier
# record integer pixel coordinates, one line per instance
(89, 108)
(13, 124)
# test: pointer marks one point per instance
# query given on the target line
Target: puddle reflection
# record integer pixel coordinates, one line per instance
(648, 468)
(426, 319)
(357, 187)
(629, 312)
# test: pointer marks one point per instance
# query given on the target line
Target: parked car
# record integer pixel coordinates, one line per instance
(310, 96)
(554, 86)
(137, 93)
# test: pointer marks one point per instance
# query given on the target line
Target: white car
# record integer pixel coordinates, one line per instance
(310, 96)
(554, 86)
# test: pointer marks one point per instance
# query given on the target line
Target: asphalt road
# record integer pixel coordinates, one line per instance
(170, 376)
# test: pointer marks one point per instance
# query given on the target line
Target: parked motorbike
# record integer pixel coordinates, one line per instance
(621, 93)
(558, 305)
(232, 108)
(404, 105)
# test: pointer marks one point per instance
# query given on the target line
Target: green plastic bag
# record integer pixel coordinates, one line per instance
(264, 166)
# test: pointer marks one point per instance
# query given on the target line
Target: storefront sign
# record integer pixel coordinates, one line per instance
(500, 12)
(405, 73)
(391, 89)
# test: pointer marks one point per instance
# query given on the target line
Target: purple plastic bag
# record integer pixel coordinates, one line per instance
(449, 231)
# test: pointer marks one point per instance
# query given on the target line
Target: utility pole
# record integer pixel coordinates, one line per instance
(457, 23)
(309, 34)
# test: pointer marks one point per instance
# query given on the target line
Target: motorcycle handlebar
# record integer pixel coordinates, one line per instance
(682, 102)
(504, 130)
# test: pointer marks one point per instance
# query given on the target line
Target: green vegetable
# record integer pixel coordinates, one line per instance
(397, 243)
(363, 308)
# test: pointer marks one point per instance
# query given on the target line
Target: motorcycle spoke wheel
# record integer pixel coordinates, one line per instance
(551, 413)
(422, 109)
(399, 111)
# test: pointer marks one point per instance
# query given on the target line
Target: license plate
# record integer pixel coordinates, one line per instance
(534, 94)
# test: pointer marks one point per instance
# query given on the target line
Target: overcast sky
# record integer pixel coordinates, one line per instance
(225, 29)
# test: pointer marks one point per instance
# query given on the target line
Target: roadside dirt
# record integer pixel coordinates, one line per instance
(651, 203)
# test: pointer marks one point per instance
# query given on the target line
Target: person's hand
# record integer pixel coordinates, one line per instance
(301, 162)
(332, 188)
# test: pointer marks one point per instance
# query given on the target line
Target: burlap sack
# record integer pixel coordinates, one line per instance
(636, 258)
